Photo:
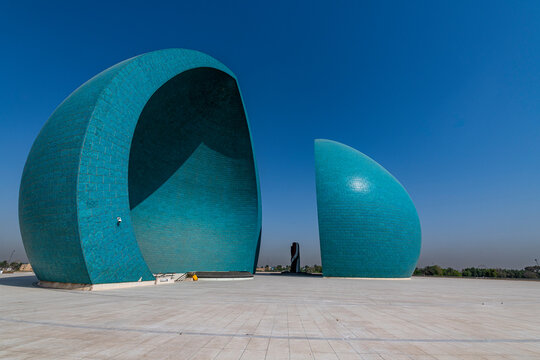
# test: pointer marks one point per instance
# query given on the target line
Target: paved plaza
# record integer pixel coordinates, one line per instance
(274, 317)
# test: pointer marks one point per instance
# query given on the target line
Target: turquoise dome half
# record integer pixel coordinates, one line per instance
(146, 168)
(368, 225)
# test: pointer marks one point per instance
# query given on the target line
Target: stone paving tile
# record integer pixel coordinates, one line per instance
(276, 356)
(349, 356)
(422, 357)
(341, 346)
(205, 354)
(218, 342)
(301, 356)
(275, 317)
(12, 355)
(258, 344)
(278, 349)
(239, 343)
(253, 355)
(135, 352)
(325, 356)
(320, 346)
(395, 357)
(301, 346)
(229, 354)
(371, 357)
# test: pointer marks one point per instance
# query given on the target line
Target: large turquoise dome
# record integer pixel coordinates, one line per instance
(146, 168)
(368, 225)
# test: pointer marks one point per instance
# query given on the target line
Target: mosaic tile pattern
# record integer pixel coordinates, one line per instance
(368, 225)
(92, 164)
(275, 317)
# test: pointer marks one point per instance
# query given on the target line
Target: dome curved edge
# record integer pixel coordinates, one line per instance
(68, 209)
(368, 224)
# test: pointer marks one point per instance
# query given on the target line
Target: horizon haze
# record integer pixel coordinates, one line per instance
(443, 95)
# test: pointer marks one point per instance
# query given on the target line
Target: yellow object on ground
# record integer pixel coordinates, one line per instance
(195, 278)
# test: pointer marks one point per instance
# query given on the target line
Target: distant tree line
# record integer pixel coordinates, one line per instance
(313, 269)
(14, 266)
(530, 272)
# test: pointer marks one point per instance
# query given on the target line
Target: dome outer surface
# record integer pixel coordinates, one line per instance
(104, 155)
(368, 225)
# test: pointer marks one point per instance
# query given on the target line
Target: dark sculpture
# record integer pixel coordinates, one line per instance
(295, 257)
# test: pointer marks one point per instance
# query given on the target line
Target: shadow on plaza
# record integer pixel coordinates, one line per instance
(18, 281)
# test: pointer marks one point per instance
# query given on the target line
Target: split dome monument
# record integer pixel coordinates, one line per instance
(368, 225)
(148, 168)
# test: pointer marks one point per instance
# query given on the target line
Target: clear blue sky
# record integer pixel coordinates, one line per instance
(445, 95)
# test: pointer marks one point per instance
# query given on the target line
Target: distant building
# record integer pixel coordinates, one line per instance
(25, 267)
(368, 225)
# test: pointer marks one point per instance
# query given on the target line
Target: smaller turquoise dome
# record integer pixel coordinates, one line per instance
(368, 225)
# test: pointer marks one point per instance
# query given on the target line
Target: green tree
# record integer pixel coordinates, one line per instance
(434, 270)
(451, 272)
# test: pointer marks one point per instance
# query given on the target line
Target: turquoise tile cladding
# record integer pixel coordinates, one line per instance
(162, 141)
(368, 225)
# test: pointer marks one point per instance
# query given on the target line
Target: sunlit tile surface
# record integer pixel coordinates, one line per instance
(274, 317)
